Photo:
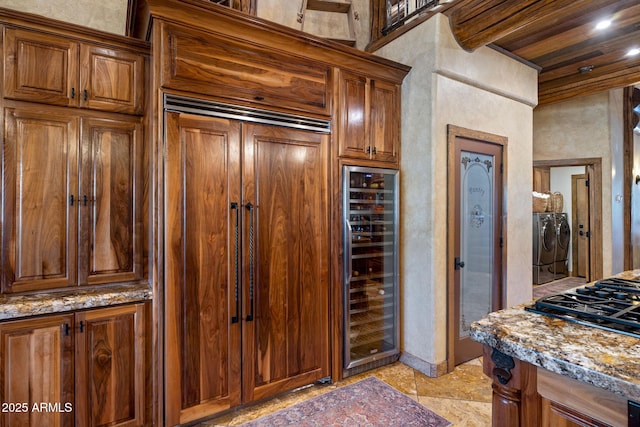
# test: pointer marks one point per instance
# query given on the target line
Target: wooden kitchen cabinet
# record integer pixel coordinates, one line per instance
(111, 366)
(37, 367)
(72, 207)
(46, 68)
(369, 118)
(241, 72)
(246, 273)
(88, 368)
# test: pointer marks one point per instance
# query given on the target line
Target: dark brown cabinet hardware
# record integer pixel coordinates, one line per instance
(236, 266)
(250, 207)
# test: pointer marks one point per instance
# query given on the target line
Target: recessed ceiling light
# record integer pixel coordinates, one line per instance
(604, 24)
(633, 52)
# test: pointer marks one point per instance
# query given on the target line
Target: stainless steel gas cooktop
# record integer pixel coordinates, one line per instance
(612, 304)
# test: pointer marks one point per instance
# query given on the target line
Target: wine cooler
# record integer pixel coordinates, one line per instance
(370, 267)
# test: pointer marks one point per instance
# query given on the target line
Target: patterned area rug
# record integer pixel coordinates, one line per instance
(369, 402)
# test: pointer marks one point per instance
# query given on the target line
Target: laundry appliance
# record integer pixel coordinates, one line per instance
(563, 240)
(544, 247)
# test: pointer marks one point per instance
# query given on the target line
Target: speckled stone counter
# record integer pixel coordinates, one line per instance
(18, 306)
(608, 360)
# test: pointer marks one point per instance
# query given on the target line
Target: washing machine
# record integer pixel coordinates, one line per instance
(563, 240)
(544, 247)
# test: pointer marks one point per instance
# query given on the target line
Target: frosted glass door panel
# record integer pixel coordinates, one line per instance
(476, 237)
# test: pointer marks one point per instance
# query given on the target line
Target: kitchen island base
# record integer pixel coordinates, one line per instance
(525, 396)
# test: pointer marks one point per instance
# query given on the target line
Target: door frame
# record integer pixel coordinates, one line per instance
(593, 169)
(454, 132)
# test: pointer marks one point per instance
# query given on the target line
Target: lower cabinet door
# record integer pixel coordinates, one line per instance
(37, 372)
(110, 378)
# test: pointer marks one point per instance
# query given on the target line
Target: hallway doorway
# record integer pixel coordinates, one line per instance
(591, 220)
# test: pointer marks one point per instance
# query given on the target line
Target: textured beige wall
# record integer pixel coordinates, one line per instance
(334, 25)
(580, 128)
(484, 91)
(106, 15)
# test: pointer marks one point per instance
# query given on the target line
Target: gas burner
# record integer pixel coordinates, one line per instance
(612, 304)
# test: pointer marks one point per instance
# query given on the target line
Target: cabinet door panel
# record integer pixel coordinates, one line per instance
(40, 230)
(354, 116)
(201, 62)
(111, 367)
(385, 120)
(286, 273)
(37, 367)
(40, 67)
(113, 80)
(202, 341)
(111, 216)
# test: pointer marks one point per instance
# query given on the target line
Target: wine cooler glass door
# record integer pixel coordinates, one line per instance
(371, 263)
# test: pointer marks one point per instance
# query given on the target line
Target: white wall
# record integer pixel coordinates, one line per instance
(484, 91)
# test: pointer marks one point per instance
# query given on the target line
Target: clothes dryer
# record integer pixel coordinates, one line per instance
(544, 247)
(563, 240)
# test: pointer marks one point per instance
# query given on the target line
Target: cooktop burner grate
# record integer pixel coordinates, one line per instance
(612, 304)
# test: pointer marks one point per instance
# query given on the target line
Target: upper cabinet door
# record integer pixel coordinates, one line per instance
(354, 117)
(40, 200)
(203, 63)
(40, 67)
(369, 118)
(55, 70)
(110, 195)
(385, 120)
(111, 80)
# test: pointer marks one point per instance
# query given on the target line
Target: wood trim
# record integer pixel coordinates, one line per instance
(515, 402)
(594, 171)
(234, 25)
(61, 28)
(476, 23)
(628, 180)
(454, 132)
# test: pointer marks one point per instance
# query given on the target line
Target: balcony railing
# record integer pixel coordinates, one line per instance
(401, 12)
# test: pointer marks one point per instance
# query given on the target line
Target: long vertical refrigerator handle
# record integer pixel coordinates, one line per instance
(349, 243)
(250, 207)
(236, 296)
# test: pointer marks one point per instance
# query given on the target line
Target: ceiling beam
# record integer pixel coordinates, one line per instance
(476, 23)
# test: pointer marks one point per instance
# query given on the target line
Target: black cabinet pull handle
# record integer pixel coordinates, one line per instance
(458, 264)
(66, 328)
(84, 199)
(86, 94)
(71, 200)
(73, 93)
(250, 207)
(236, 318)
(81, 326)
(375, 150)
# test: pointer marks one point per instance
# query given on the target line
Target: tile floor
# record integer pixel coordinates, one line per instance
(462, 396)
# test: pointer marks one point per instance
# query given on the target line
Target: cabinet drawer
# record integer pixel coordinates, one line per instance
(199, 62)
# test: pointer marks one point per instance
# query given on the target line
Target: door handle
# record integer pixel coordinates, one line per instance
(250, 208)
(458, 264)
(235, 319)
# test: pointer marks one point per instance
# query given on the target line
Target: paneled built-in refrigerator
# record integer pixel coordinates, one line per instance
(370, 203)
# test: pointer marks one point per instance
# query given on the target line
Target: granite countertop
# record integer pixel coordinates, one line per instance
(605, 359)
(17, 306)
